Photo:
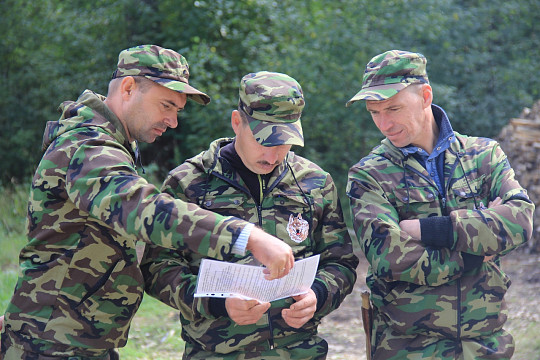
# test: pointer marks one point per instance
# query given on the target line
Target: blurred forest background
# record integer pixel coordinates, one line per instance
(483, 63)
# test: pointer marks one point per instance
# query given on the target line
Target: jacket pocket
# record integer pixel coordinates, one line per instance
(99, 309)
(416, 202)
(229, 205)
(468, 193)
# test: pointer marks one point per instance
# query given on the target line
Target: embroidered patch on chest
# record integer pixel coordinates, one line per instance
(297, 228)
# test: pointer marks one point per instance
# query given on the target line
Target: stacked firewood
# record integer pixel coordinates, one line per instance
(520, 140)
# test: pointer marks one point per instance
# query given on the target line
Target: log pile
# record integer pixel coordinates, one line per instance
(520, 140)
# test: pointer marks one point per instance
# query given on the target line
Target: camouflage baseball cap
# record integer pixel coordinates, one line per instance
(389, 73)
(272, 103)
(163, 66)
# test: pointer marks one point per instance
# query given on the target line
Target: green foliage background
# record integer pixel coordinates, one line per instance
(482, 62)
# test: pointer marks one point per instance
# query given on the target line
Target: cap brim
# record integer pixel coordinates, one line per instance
(183, 88)
(380, 92)
(274, 134)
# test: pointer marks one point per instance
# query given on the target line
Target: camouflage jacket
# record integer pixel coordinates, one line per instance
(426, 300)
(209, 180)
(80, 284)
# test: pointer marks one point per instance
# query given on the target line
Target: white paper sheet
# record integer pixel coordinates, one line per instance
(223, 279)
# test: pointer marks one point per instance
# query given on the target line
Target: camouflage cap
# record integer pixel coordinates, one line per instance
(272, 103)
(389, 73)
(163, 66)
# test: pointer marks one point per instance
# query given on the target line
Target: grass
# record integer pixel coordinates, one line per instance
(154, 333)
(13, 201)
(527, 343)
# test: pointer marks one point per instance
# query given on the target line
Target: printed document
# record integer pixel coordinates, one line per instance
(223, 279)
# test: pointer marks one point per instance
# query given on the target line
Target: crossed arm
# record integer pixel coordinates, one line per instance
(413, 228)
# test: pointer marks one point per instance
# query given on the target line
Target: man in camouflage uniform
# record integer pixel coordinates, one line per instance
(80, 284)
(256, 177)
(434, 211)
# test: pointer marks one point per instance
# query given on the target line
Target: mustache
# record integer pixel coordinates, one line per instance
(264, 162)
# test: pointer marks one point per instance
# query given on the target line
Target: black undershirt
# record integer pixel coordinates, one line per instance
(228, 152)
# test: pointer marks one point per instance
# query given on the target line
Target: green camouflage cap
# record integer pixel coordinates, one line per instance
(389, 73)
(272, 103)
(163, 66)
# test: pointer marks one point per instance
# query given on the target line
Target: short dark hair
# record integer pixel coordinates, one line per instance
(415, 88)
(143, 83)
(243, 116)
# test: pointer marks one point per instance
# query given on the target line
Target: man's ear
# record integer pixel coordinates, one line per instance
(427, 94)
(236, 121)
(127, 86)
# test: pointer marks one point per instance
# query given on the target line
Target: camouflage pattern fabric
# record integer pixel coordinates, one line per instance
(163, 66)
(390, 72)
(272, 103)
(314, 348)
(13, 352)
(211, 181)
(79, 282)
(426, 305)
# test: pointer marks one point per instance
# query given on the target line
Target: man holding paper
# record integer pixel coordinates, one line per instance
(256, 177)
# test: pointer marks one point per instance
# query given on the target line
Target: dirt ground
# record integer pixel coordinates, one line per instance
(344, 332)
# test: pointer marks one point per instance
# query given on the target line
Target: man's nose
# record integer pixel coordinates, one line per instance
(171, 121)
(384, 123)
(271, 154)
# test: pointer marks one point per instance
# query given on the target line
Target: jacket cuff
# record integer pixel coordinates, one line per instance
(217, 307)
(320, 292)
(437, 231)
(239, 247)
(471, 261)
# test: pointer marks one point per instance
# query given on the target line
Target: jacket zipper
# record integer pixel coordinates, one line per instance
(458, 281)
(444, 212)
(261, 196)
(259, 221)
(458, 322)
(271, 329)
(262, 190)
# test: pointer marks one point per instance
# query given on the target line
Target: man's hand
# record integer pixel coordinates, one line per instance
(271, 252)
(245, 312)
(1, 322)
(497, 201)
(301, 311)
(411, 227)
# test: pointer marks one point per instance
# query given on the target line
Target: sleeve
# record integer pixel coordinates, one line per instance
(171, 275)
(336, 275)
(170, 278)
(500, 229)
(103, 182)
(392, 254)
